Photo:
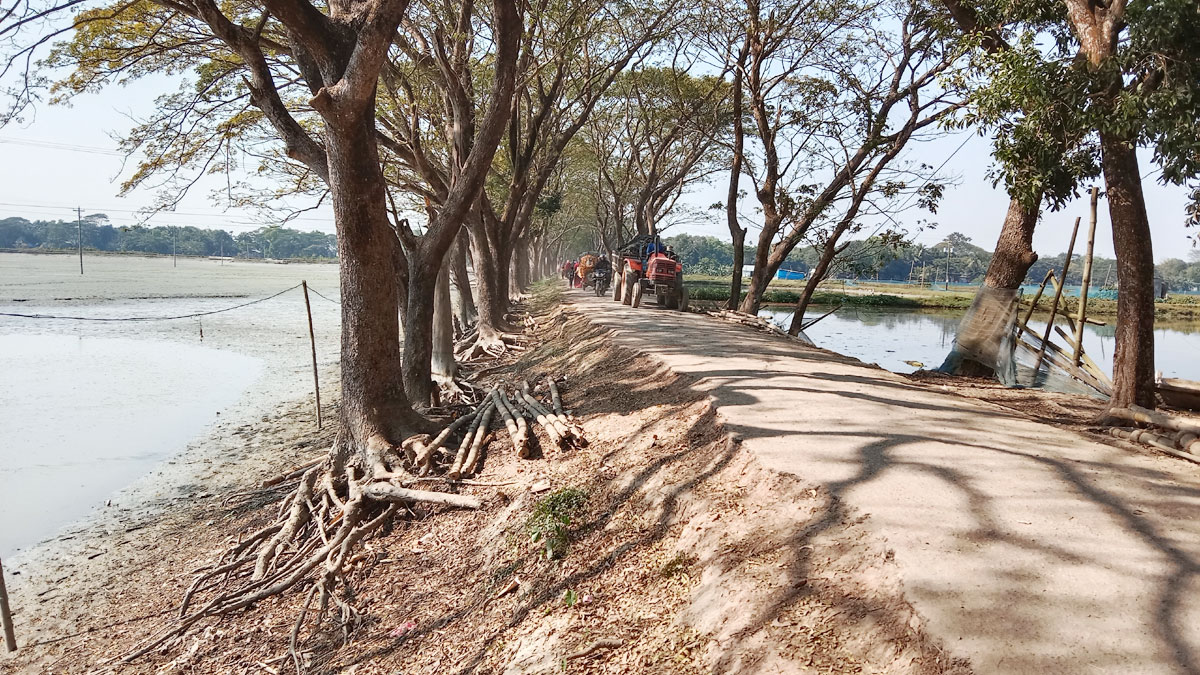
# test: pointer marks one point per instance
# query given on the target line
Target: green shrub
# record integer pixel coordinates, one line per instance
(551, 519)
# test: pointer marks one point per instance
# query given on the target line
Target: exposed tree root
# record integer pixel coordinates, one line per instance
(492, 345)
(319, 525)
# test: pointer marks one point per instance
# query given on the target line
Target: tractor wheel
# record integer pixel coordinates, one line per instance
(659, 299)
(616, 283)
(683, 298)
(628, 282)
(637, 294)
(670, 300)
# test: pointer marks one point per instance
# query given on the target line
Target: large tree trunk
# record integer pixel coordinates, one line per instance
(736, 231)
(418, 337)
(376, 411)
(491, 279)
(1010, 263)
(1133, 357)
(465, 305)
(815, 277)
(442, 366)
(521, 263)
(761, 275)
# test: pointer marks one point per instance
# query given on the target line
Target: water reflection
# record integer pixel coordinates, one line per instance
(81, 417)
(903, 340)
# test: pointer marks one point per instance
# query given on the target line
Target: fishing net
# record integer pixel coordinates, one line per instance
(985, 334)
(988, 335)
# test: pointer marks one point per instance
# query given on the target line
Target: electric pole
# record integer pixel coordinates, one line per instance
(949, 250)
(79, 225)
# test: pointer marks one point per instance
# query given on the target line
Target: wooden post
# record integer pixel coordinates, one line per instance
(312, 341)
(1081, 317)
(10, 637)
(1054, 305)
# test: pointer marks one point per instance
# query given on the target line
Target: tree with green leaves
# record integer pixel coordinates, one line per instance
(1108, 77)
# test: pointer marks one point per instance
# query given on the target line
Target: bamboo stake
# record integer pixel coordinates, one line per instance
(1087, 279)
(1085, 361)
(1130, 436)
(312, 341)
(1037, 297)
(1054, 305)
(10, 636)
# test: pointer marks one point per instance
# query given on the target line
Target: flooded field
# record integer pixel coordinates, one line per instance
(903, 340)
(87, 407)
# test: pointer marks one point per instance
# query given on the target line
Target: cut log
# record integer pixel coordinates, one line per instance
(554, 397)
(1146, 416)
(1128, 435)
(519, 433)
(464, 448)
(470, 464)
(387, 492)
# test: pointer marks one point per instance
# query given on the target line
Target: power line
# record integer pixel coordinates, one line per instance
(320, 295)
(935, 172)
(143, 210)
(68, 147)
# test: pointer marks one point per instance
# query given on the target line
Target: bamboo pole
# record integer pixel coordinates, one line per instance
(312, 341)
(1087, 280)
(1037, 297)
(10, 636)
(1054, 305)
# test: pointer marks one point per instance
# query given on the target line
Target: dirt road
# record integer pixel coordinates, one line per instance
(1027, 548)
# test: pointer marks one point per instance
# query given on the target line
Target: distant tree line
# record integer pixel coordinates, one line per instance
(967, 263)
(100, 235)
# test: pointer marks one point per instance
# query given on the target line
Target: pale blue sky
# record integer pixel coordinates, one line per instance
(45, 174)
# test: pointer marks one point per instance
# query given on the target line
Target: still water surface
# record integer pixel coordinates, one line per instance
(896, 339)
(81, 417)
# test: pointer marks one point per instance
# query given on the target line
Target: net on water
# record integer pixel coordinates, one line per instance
(988, 335)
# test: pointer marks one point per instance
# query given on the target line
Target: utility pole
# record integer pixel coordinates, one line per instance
(949, 250)
(79, 225)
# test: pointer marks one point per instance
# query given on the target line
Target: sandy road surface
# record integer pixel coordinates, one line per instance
(1027, 548)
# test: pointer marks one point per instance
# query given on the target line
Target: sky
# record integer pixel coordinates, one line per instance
(65, 157)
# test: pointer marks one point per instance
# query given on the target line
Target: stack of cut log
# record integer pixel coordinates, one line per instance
(514, 410)
(757, 322)
(1174, 436)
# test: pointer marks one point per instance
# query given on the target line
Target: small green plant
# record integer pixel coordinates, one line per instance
(677, 565)
(570, 597)
(551, 519)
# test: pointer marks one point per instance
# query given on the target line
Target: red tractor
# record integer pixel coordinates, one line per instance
(647, 266)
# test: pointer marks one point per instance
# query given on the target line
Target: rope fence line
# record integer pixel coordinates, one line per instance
(322, 296)
(153, 318)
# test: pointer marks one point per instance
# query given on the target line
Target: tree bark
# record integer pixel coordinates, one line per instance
(760, 276)
(466, 310)
(375, 407)
(736, 231)
(442, 365)
(1133, 357)
(520, 260)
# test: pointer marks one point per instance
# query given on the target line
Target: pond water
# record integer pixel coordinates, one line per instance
(904, 340)
(83, 416)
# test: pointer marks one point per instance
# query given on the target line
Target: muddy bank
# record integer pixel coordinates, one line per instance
(686, 556)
